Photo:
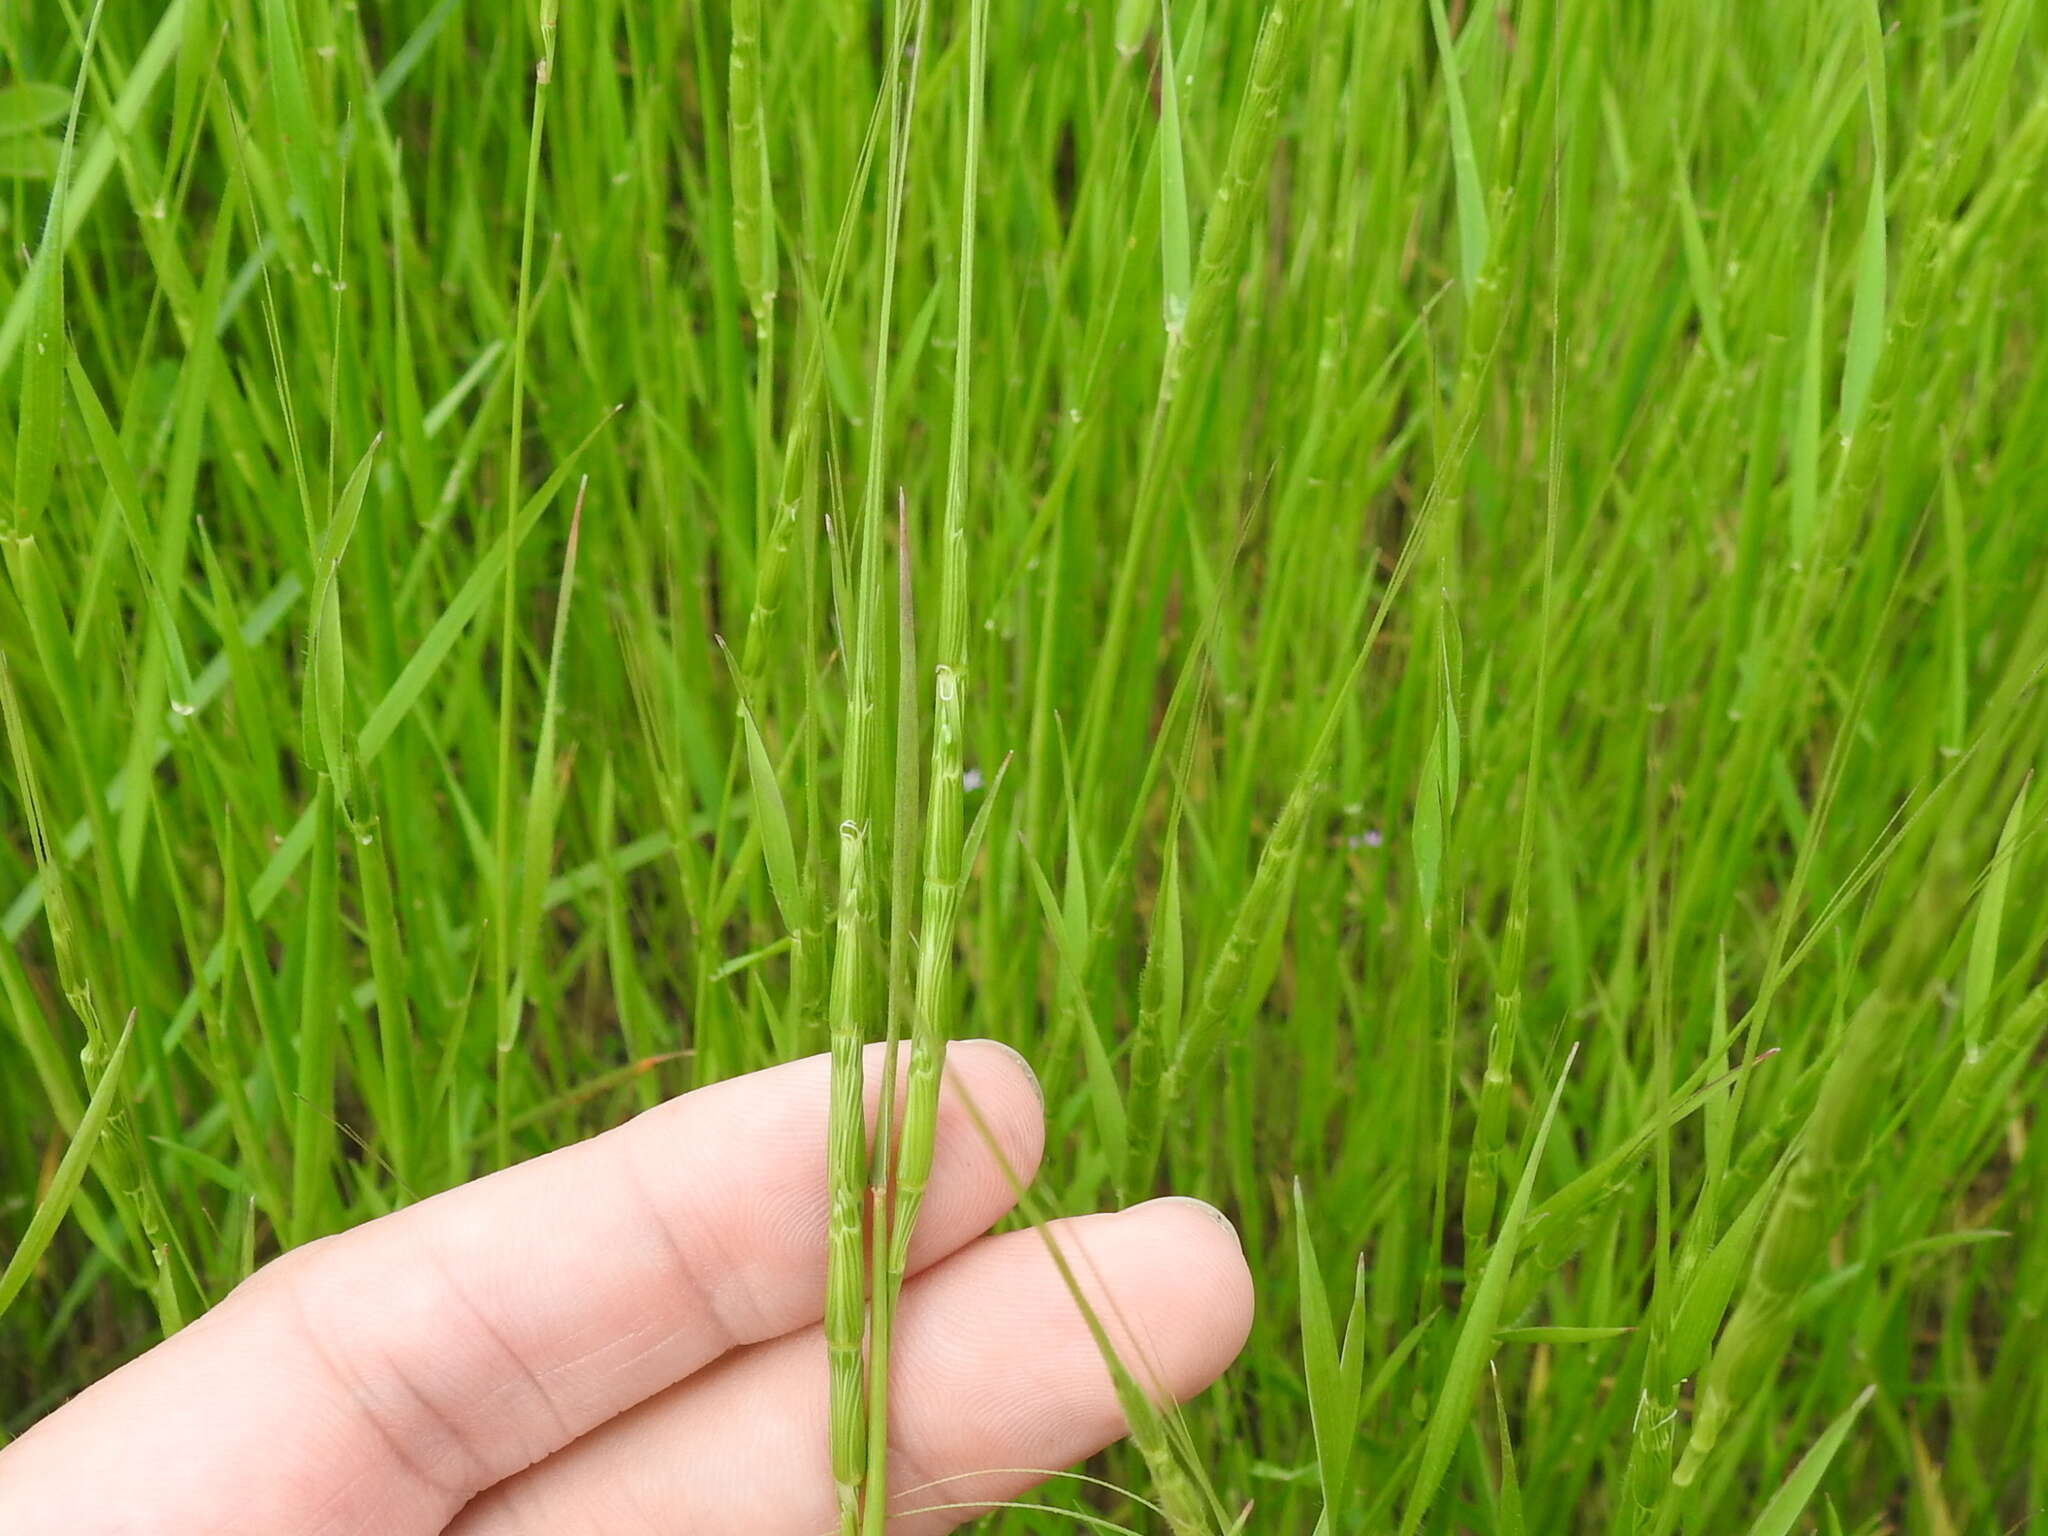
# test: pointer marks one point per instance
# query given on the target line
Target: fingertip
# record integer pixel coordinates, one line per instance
(1198, 1307)
(1017, 1059)
(991, 1083)
(1001, 1370)
(1204, 1209)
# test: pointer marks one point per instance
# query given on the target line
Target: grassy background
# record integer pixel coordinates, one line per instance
(1628, 443)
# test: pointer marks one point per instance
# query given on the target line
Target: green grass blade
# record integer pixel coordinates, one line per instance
(1867, 314)
(1983, 961)
(1477, 1327)
(319, 1038)
(42, 373)
(63, 1185)
(1778, 1516)
(1175, 243)
(1475, 235)
(1510, 1522)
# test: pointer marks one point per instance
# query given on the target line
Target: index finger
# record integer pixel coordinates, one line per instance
(376, 1380)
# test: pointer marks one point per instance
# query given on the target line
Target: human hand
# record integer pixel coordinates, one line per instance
(621, 1338)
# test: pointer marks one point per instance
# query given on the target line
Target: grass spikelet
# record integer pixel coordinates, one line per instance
(753, 196)
(846, 1278)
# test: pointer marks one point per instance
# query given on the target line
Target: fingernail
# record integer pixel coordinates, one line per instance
(1023, 1066)
(1207, 1210)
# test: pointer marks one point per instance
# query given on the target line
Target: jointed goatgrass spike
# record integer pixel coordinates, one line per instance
(944, 869)
(853, 993)
(884, 1154)
(1281, 30)
(753, 198)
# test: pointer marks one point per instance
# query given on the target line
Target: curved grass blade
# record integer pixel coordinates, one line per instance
(1778, 1516)
(70, 1173)
(1477, 1329)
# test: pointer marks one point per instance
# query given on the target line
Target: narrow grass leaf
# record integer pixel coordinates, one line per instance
(1449, 1419)
(42, 372)
(1510, 1521)
(405, 692)
(1175, 243)
(1474, 234)
(1778, 1516)
(303, 149)
(328, 696)
(1983, 961)
(1705, 1299)
(1110, 1120)
(1426, 831)
(1334, 1376)
(70, 1173)
(778, 846)
(1699, 265)
(1867, 313)
(1806, 425)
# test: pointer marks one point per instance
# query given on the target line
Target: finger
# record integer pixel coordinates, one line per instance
(993, 1370)
(379, 1378)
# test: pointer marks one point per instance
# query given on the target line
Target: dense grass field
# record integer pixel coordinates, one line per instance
(1472, 560)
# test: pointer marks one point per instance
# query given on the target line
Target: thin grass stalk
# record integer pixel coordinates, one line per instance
(1180, 1494)
(809, 968)
(505, 894)
(1482, 1175)
(932, 1015)
(884, 1153)
(1162, 987)
(544, 788)
(800, 419)
(1436, 800)
(852, 990)
(394, 1013)
(779, 528)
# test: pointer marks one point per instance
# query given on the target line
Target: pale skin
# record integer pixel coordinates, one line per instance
(621, 1339)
